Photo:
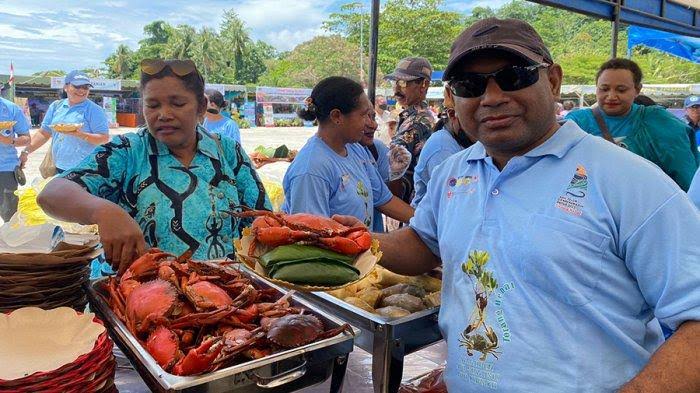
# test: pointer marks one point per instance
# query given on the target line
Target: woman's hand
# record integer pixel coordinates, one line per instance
(120, 235)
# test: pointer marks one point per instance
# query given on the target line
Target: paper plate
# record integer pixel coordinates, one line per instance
(364, 262)
(5, 125)
(35, 340)
(66, 127)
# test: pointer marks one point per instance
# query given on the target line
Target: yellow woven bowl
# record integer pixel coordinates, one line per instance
(6, 125)
(66, 127)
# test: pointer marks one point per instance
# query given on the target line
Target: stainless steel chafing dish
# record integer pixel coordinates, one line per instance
(387, 339)
(285, 371)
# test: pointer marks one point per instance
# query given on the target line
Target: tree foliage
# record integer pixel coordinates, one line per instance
(314, 60)
(406, 28)
(225, 56)
(577, 42)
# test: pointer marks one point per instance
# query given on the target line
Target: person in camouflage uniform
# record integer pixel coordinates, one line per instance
(411, 80)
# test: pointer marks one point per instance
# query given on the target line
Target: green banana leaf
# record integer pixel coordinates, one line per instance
(318, 272)
(294, 252)
(310, 262)
(281, 152)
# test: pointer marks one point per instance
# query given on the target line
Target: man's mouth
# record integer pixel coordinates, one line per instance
(498, 121)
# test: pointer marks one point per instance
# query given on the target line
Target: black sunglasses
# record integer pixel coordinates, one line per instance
(511, 78)
(179, 67)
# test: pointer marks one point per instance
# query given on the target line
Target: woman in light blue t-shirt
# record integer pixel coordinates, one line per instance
(217, 123)
(333, 173)
(69, 149)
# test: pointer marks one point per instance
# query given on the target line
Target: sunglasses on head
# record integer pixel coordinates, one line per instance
(511, 78)
(179, 67)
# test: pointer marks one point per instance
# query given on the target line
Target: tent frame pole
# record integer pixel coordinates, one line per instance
(373, 49)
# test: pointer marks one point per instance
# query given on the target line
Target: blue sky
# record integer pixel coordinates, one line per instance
(39, 35)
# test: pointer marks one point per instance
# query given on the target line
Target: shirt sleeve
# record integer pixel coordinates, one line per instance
(412, 137)
(383, 163)
(48, 117)
(22, 125)
(308, 193)
(663, 254)
(102, 173)
(380, 191)
(436, 159)
(251, 191)
(673, 149)
(424, 222)
(694, 190)
(234, 131)
(97, 121)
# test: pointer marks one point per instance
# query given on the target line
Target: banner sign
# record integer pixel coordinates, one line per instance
(97, 83)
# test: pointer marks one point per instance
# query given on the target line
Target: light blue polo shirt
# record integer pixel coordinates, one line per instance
(225, 127)
(555, 267)
(382, 166)
(694, 190)
(319, 181)
(437, 149)
(9, 111)
(69, 150)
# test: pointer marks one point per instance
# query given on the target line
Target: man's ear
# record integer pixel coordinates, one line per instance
(555, 76)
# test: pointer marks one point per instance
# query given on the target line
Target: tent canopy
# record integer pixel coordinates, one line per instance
(674, 16)
(685, 47)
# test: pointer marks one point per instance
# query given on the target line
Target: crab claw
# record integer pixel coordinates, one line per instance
(198, 359)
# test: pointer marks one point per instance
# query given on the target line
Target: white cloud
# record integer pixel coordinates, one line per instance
(116, 4)
(9, 31)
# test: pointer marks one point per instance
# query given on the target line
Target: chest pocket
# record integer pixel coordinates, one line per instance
(563, 259)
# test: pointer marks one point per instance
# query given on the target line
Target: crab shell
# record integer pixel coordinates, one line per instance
(294, 330)
(148, 302)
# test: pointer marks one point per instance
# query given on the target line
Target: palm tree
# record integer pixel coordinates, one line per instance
(236, 38)
(122, 63)
(207, 53)
(179, 45)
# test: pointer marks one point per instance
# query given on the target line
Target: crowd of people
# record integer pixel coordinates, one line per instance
(566, 238)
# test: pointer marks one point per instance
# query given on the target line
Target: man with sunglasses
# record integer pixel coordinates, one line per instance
(410, 81)
(561, 253)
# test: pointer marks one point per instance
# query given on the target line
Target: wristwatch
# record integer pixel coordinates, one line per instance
(25, 151)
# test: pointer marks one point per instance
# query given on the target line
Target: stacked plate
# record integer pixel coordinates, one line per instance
(55, 350)
(46, 280)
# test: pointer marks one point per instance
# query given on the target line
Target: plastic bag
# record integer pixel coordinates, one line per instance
(399, 160)
(274, 191)
(430, 383)
(29, 213)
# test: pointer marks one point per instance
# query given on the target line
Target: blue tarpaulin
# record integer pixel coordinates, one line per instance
(678, 45)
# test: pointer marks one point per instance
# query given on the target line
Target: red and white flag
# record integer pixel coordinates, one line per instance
(11, 81)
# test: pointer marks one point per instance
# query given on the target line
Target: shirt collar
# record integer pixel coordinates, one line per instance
(565, 138)
(205, 144)
(65, 104)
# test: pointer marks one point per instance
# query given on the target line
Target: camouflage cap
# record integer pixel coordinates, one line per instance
(411, 68)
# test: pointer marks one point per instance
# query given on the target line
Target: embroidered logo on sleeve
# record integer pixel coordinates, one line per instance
(573, 198)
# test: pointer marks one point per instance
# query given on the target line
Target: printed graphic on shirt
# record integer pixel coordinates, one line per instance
(364, 194)
(573, 198)
(461, 185)
(479, 336)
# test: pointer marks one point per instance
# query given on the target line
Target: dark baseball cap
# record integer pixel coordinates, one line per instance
(511, 35)
(412, 68)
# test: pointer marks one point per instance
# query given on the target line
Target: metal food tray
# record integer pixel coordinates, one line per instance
(387, 339)
(285, 371)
